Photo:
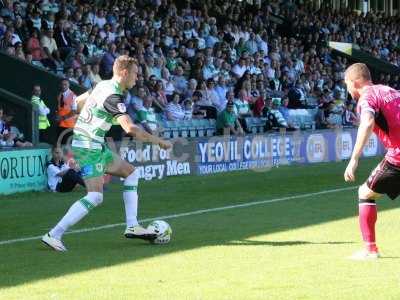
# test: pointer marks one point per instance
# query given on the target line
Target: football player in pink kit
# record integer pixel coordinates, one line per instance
(379, 110)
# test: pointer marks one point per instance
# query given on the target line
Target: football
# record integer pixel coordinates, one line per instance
(163, 231)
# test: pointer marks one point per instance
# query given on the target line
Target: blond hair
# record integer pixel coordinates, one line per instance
(124, 62)
(358, 71)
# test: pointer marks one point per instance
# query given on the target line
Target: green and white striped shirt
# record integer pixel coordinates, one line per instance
(104, 104)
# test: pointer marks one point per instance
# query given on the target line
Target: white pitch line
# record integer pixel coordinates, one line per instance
(191, 213)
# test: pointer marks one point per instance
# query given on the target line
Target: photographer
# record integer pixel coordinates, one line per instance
(61, 176)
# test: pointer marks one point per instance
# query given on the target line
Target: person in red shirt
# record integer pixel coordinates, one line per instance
(379, 110)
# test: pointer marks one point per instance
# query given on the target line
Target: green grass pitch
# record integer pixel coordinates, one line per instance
(290, 249)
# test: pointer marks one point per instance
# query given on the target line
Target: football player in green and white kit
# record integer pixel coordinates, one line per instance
(99, 108)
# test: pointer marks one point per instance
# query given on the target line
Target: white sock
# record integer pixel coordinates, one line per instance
(130, 196)
(76, 212)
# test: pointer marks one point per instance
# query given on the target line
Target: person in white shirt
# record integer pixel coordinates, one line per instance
(99, 19)
(221, 89)
(174, 111)
(62, 177)
(210, 95)
(263, 42)
(240, 68)
(48, 43)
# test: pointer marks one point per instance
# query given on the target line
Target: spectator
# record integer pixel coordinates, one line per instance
(192, 87)
(281, 122)
(334, 115)
(70, 76)
(349, 117)
(174, 111)
(251, 44)
(146, 117)
(94, 74)
(239, 69)
(60, 176)
(209, 69)
(259, 105)
(179, 81)
(34, 47)
(43, 111)
(171, 62)
(135, 102)
(284, 110)
(167, 80)
(188, 109)
(210, 95)
(66, 112)
(107, 61)
(328, 116)
(227, 122)
(86, 79)
(11, 135)
(19, 52)
(6, 138)
(6, 40)
(296, 96)
(242, 107)
(204, 101)
(221, 90)
(159, 96)
(49, 45)
(197, 111)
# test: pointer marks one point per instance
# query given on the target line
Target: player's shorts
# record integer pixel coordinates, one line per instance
(93, 162)
(385, 179)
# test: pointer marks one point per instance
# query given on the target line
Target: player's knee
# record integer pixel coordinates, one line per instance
(95, 198)
(133, 178)
(364, 192)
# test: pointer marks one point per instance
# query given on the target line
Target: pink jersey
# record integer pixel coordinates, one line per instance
(384, 103)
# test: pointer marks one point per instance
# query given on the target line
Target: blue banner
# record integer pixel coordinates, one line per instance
(221, 154)
(210, 155)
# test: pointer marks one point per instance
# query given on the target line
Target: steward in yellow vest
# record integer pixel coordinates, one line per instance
(39, 105)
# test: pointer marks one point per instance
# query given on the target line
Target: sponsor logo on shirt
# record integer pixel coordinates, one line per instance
(87, 170)
(121, 107)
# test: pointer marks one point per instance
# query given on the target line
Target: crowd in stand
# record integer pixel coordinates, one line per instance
(373, 32)
(197, 58)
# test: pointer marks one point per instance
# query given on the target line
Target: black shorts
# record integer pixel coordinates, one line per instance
(385, 179)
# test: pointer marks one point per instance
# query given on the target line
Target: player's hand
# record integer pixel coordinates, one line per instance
(165, 145)
(349, 174)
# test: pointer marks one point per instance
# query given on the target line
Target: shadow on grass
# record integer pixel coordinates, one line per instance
(281, 243)
(30, 261)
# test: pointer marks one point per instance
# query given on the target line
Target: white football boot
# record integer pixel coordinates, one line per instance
(139, 232)
(364, 254)
(53, 243)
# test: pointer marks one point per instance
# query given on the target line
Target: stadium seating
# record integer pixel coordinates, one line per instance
(302, 118)
(187, 128)
(255, 125)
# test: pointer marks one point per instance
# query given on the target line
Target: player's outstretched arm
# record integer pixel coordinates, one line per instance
(367, 123)
(127, 125)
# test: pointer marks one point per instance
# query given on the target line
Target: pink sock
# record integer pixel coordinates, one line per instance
(367, 218)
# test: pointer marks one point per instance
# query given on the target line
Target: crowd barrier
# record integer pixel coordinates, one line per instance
(203, 156)
(24, 170)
